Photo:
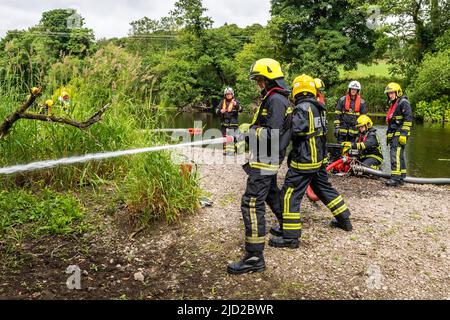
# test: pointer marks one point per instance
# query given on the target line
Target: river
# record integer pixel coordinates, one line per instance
(427, 152)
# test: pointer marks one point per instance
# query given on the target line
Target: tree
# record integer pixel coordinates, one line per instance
(318, 36)
(189, 14)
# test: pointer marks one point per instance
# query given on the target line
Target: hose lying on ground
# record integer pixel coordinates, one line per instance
(361, 169)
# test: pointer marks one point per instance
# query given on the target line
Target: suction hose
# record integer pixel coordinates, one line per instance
(361, 169)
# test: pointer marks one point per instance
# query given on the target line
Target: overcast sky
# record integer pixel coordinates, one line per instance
(112, 18)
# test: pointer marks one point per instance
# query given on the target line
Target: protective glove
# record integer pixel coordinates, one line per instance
(402, 140)
(347, 146)
(245, 127)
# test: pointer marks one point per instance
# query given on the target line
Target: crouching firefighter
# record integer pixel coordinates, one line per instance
(269, 135)
(228, 109)
(399, 120)
(368, 144)
(307, 166)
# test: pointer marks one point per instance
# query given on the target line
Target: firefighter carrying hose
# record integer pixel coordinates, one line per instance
(399, 120)
(368, 144)
(348, 109)
(307, 166)
(228, 109)
(269, 135)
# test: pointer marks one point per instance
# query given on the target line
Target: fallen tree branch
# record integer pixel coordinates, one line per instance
(80, 125)
(21, 113)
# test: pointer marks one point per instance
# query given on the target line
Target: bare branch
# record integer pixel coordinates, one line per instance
(80, 125)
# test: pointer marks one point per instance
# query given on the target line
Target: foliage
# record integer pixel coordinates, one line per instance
(434, 111)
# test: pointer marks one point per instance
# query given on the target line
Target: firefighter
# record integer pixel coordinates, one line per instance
(399, 120)
(368, 144)
(307, 166)
(47, 107)
(348, 109)
(269, 136)
(320, 86)
(228, 109)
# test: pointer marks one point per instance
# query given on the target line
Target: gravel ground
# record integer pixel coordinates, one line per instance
(399, 249)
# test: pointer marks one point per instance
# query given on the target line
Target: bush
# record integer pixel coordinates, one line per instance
(435, 111)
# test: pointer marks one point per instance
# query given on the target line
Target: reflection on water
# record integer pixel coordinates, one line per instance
(427, 153)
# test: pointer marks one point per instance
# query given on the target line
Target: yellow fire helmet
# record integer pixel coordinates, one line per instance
(394, 87)
(319, 84)
(364, 121)
(268, 68)
(49, 103)
(65, 94)
(304, 84)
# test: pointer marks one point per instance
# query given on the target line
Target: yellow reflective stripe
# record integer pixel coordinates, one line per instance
(264, 166)
(291, 215)
(287, 199)
(396, 173)
(399, 149)
(399, 118)
(334, 202)
(340, 210)
(343, 130)
(264, 113)
(253, 218)
(390, 135)
(375, 157)
(306, 166)
(404, 171)
(361, 146)
(337, 122)
(289, 110)
(353, 131)
(409, 124)
(258, 132)
(255, 240)
(406, 128)
(338, 112)
(292, 226)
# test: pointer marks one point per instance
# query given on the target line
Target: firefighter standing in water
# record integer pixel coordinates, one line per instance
(348, 109)
(399, 120)
(307, 166)
(268, 132)
(368, 144)
(228, 109)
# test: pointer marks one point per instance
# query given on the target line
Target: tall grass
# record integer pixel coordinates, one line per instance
(150, 184)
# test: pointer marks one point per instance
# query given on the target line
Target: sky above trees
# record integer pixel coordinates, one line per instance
(112, 18)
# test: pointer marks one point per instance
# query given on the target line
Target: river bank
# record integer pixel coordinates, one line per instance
(398, 250)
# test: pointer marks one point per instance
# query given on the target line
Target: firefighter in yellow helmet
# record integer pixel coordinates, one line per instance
(307, 166)
(64, 101)
(269, 135)
(48, 106)
(399, 120)
(368, 144)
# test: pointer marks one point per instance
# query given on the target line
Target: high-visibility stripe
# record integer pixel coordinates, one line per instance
(408, 124)
(291, 215)
(361, 146)
(258, 132)
(253, 218)
(334, 202)
(399, 118)
(264, 113)
(338, 112)
(306, 166)
(337, 122)
(292, 226)
(404, 171)
(287, 199)
(399, 149)
(264, 166)
(406, 128)
(255, 240)
(340, 210)
(374, 157)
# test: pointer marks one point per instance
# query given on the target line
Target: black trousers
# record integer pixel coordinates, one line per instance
(398, 163)
(260, 189)
(371, 163)
(238, 146)
(292, 194)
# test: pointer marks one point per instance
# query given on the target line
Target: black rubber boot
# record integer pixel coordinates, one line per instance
(344, 224)
(252, 262)
(276, 231)
(280, 242)
(394, 183)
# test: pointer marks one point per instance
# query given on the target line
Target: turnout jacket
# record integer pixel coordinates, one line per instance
(345, 119)
(309, 129)
(369, 146)
(229, 119)
(400, 119)
(270, 128)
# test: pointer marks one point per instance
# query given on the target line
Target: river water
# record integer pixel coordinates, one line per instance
(427, 153)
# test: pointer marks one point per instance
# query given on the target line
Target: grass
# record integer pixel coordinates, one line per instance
(380, 69)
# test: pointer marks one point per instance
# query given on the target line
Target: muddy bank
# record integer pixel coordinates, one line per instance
(398, 250)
